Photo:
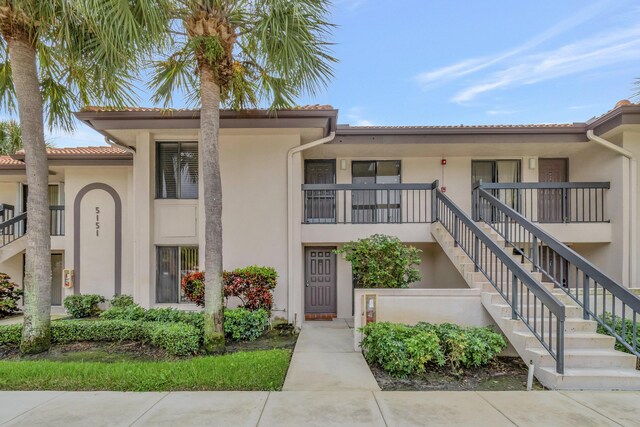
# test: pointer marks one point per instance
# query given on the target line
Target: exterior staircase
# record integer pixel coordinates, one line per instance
(590, 361)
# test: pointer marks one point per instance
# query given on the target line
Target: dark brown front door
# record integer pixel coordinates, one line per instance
(320, 205)
(552, 203)
(320, 280)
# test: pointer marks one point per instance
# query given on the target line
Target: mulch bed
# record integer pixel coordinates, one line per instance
(505, 373)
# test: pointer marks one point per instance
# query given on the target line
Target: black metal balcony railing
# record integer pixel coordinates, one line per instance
(553, 202)
(367, 203)
(14, 227)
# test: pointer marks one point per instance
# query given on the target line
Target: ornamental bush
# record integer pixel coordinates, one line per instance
(121, 301)
(241, 324)
(10, 293)
(403, 350)
(381, 261)
(178, 339)
(82, 306)
(252, 285)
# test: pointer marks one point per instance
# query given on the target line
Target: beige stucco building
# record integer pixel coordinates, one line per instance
(127, 218)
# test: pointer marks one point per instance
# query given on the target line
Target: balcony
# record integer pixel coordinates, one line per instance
(398, 209)
(13, 227)
(571, 211)
(367, 203)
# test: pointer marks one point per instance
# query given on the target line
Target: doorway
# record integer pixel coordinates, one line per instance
(320, 296)
(320, 205)
(553, 204)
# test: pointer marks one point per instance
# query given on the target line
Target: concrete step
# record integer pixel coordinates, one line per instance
(574, 340)
(589, 379)
(570, 311)
(585, 358)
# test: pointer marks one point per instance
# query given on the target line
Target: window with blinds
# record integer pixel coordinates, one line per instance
(172, 264)
(177, 170)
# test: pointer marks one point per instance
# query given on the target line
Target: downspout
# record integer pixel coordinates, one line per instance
(290, 225)
(633, 176)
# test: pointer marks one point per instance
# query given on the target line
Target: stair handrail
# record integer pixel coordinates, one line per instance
(589, 270)
(6, 238)
(554, 306)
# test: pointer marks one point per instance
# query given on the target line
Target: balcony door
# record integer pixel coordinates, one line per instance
(553, 203)
(376, 206)
(320, 205)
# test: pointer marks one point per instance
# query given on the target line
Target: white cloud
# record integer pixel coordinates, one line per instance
(355, 116)
(429, 79)
(601, 50)
(351, 4)
(498, 112)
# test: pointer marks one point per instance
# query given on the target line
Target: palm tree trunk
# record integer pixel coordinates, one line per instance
(209, 132)
(36, 332)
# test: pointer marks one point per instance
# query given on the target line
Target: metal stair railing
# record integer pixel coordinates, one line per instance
(603, 299)
(530, 302)
(12, 229)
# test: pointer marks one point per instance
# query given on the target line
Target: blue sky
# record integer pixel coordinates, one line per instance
(451, 62)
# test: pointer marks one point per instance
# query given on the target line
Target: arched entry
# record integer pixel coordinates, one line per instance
(117, 229)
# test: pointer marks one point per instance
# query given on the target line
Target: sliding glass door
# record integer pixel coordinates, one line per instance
(378, 205)
(502, 171)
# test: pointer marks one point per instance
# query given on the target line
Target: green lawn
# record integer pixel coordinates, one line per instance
(256, 370)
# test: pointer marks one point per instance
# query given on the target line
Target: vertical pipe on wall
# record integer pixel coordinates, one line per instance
(292, 316)
(633, 176)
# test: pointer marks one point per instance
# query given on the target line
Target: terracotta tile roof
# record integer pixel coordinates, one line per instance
(79, 151)
(542, 126)
(10, 161)
(102, 109)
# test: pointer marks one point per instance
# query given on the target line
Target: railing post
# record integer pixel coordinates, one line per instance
(455, 231)
(585, 296)
(514, 296)
(434, 201)
(564, 204)
(534, 255)
(560, 346)
(476, 249)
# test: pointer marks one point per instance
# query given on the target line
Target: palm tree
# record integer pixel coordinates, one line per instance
(241, 53)
(10, 137)
(57, 56)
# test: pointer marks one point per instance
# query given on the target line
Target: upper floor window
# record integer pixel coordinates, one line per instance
(177, 170)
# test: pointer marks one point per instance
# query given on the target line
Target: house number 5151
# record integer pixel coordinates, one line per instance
(97, 220)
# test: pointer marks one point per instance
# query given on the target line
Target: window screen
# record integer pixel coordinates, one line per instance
(177, 170)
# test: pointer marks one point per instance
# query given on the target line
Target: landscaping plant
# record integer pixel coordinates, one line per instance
(10, 293)
(617, 326)
(82, 306)
(253, 285)
(403, 350)
(381, 261)
(121, 301)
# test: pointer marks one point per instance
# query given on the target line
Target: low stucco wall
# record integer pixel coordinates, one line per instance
(410, 306)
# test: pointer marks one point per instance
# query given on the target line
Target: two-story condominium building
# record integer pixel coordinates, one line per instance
(127, 218)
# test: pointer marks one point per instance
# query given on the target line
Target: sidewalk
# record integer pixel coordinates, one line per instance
(323, 408)
(324, 360)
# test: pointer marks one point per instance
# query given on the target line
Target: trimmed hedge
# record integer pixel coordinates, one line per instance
(403, 350)
(239, 325)
(178, 339)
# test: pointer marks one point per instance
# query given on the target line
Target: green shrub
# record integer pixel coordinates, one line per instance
(466, 347)
(10, 293)
(164, 315)
(381, 261)
(617, 327)
(401, 350)
(122, 301)
(10, 335)
(82, 306)
(244, 325)
(178, 339)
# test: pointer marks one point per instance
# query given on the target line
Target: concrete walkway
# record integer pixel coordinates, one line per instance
(324, 360)
(322, 408)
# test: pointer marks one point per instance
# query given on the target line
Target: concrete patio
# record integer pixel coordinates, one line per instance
(322, 408)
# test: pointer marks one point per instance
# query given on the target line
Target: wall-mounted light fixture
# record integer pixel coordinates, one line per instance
(343, 164)
(532, 162)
